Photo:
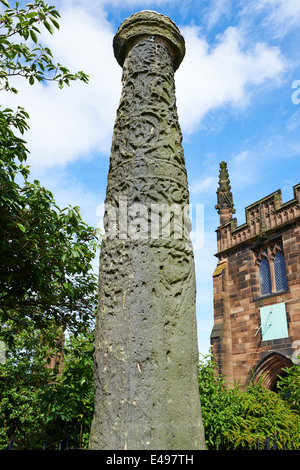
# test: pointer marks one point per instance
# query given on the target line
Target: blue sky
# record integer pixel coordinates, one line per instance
(234, 97)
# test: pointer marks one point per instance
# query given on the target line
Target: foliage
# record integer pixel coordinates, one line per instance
(20, 58)
(234, 418)
(39, 403)
(22, 376)
(289, 386)
(45, 252)
(47, 284)
(214, 402)
(46, 255)
(68, 402)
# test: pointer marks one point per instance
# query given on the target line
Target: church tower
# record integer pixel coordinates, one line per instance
(256, 287)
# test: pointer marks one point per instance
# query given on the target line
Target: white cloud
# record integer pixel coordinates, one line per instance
(69, 189)
(241, 158)
(294, 121)
(208, 79)
(72, 123)
(203, 185)
(217, 9)
(281, 15)
(244, 168)
(69, 124)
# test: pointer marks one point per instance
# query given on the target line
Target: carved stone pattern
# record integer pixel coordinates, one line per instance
(147, 154)
(269, 251)
(145, 346)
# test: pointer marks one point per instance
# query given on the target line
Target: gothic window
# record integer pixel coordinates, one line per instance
(272, 271)
(280, 272)
(265, 277)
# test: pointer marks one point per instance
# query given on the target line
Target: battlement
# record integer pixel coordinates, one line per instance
(262, 217)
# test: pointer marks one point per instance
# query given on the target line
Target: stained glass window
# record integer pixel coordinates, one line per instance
(280, 272)
(265, 277)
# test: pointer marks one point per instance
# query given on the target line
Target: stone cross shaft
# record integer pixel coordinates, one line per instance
(146, 354)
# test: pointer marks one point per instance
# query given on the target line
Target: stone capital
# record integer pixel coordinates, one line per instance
(149, 24)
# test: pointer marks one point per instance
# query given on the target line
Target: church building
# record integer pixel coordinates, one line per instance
(256, 287)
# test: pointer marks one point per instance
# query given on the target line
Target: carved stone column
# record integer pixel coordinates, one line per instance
(146, 355)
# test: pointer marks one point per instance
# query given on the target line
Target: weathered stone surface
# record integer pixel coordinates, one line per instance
(146, 356)
(237, 339)
(145, 24)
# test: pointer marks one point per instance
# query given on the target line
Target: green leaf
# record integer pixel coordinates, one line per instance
(33, 36)
(49, 27)
(56, 24)
(31, 79)
(5, 2)
(31, 14)
(21, 227)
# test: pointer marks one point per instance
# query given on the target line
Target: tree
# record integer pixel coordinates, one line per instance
(47, 282)
(23, 377)
(19, 59)
(289, 386)
(45, 252)
(38, 403)
(235, 418)
(68, 403)
(214, 402)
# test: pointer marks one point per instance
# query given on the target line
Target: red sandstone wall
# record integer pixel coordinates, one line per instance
(238, 346)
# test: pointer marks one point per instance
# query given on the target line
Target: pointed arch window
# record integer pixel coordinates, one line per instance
(265, 277)
(280, 272)
(272, 270)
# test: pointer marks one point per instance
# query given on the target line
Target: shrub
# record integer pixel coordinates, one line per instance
(234, 418)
